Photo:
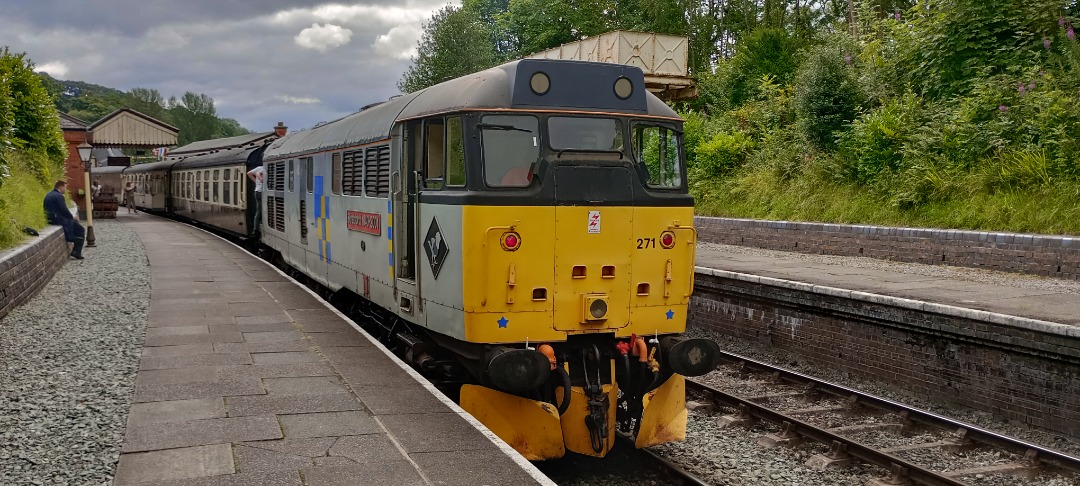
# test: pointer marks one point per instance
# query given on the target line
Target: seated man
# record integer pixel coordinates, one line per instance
(56, 212)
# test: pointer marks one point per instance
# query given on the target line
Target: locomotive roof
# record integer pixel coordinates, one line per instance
(501, 87)
(234, 155)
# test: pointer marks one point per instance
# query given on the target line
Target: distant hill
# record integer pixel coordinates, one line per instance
(194, 114)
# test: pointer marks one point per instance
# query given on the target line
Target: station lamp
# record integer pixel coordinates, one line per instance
(86, 155)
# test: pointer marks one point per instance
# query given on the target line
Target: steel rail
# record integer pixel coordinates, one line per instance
(972, 432)
(853, 448)
(687, 478)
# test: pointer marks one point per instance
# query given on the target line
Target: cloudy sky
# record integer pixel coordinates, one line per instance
(263, 61)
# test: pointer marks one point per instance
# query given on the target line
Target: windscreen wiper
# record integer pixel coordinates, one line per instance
(508, 128)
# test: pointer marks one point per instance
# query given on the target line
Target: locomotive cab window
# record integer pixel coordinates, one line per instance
(434, 153)
(657, 149)
(511, 149)
(583, 134)
(455, 152)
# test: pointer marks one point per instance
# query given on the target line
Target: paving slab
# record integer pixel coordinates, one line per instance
(470, 468)
(398, 473)
(263, 404)
(171, 435)
(180, 463)
(328, 424)
(434, 432)
(176, 411)
(181, 350)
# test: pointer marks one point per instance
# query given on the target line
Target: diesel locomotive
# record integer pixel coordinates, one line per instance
(524, 231)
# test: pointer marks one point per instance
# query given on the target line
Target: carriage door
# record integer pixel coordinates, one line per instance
(406, 209)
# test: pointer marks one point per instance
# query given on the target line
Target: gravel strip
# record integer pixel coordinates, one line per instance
(69, 358)
(1008, 279)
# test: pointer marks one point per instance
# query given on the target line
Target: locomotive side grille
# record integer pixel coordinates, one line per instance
(303, 219)
(377, 168)
(275, 176)
(275, 212)
(352, 172)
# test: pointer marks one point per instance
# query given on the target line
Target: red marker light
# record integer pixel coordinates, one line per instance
(511, 241)
(667, 239)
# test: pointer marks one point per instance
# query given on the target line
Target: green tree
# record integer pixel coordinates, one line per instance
(28, 118)
(195, 116)
(148, 102)
(827, 96)
(454, 43)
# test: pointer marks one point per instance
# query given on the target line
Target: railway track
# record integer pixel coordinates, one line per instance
(897, 438)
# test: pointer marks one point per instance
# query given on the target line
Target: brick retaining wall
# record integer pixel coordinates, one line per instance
(1020, 370)
(1047, 255)
(24, 270)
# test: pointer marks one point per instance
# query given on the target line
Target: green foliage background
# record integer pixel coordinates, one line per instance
(946, 113)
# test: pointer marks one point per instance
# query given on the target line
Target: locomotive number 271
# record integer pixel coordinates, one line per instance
(643, 243)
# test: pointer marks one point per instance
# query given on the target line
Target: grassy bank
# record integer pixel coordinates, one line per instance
(21, 198)
(961, 202)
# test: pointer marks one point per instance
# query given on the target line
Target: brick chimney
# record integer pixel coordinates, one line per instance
(280, 130)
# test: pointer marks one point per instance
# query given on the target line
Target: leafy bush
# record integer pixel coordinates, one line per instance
(876, 139)
(827, 95)
(722, 154)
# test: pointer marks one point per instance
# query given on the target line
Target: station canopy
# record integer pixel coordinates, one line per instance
(125, 128)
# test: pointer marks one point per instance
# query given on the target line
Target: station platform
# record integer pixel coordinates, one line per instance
(979, 294)
(247, 378)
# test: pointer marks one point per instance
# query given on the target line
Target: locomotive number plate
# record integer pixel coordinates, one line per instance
(370, 223)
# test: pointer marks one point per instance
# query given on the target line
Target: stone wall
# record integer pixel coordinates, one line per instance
(1053, 256)
(1021, 370)
(24, 270)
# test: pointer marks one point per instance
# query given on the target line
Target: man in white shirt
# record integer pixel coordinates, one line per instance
(258, 176)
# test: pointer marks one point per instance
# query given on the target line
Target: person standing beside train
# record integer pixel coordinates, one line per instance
(258, 176)
(129, 197)
(57, 212)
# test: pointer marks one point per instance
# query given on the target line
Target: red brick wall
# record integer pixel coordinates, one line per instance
(26, 269)
(73, 166)
(1024, 371)
(1047, 255)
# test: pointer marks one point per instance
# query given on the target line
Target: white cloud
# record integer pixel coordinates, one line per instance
(297, 100)
(56, 69)
(398, 43)
(323, 37)
(391, 15)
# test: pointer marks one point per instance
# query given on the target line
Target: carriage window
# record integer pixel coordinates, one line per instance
(511, 148)
(226, 194)
(581, 133)
(335, 176)
(310, 163)
(434, 157)
(216, 182)
(657, 147)
(292, 174)
(198, 186)
(455, 152)
(206, 185)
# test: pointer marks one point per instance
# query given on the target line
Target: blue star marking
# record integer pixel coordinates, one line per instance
(503, 322)
(670, 314)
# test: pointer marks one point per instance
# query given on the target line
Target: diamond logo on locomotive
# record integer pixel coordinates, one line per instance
(435, 247)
